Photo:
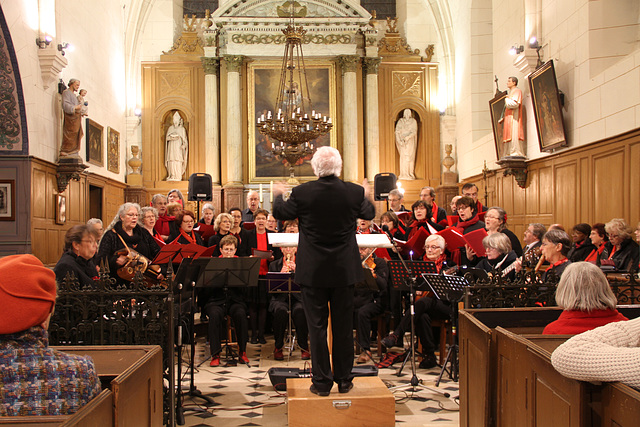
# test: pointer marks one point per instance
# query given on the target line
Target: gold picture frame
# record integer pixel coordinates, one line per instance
(113, 150)
(263, 82)
(61, 209)
(496, 107)
(547, 108)
(95, 151)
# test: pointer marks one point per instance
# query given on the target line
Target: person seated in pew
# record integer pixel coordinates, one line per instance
(368, 303)
(586, 298)
(532, 250)
(555, 247)
(279, 307)
(623, 251)
(599, 239)
(35, 379)
(185, 220)
(80, 246)
(582, 245)
(426, 308)
(216, 304)
(608, 353)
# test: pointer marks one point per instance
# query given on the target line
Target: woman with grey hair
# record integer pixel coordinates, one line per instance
(586, 298)
(495, 221)
(499, 256)
(623, 251)
(207, 214)
(555, 248)
(175, 196)
(125, 230)
(148, 218)
(222, 226)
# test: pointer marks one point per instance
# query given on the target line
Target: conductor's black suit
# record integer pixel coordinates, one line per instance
(327, 267)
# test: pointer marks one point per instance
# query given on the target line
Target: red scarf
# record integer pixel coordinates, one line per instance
(462, 225)
(434, 212)
(562, 261)
(190, 238)
(262, 245)
(593, 256)
(441, 259)
(613, 251)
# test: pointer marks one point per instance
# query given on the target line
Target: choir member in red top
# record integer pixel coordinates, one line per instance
(185, 220)
(586, 299)
(555, 247)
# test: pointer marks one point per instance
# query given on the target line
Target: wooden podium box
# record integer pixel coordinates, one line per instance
(369, 403)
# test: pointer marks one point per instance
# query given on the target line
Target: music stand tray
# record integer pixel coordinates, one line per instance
(399, 275)
(281, 283)
(446, 288)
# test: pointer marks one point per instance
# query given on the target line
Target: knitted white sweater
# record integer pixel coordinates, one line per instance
(607, 353)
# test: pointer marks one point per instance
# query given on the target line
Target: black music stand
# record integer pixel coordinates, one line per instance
(183, 288)
(228, 273)
(282, 283)
(449, 288)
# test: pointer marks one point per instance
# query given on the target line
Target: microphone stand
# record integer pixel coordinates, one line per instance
(415, 383)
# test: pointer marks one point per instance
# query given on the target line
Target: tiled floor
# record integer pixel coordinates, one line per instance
(244, 395)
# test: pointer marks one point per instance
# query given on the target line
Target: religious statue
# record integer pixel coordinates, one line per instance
(71, 129)
(84, 105)
(177, 149)
(512, 121)
(407, 142)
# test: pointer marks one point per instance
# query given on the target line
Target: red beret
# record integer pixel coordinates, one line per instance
(27, 293)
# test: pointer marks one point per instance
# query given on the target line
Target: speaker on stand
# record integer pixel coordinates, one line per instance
(200, 189)
(382, 184)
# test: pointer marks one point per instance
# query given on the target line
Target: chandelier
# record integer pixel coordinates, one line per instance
(296, 123)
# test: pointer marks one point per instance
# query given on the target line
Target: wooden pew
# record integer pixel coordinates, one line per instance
(620, 405)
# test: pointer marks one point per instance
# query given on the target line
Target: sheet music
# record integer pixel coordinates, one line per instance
(364, 240)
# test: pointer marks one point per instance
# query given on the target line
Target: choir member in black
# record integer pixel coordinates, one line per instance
(471, 190)
(222, 227)
(175, 196)
(422, 219)
(582, 245)
(184, 235)
(80, 246)
(427, 308)
(208, 214)
(148, 219)
(216, 304)
(555, 248)
(437, 214)
(599, 239)
(239, 232)
(279, 306)
(532, 250)
(395, 200)
(623, 251)
(495, 221)
(259, 296)
(124, 229)
(468, 221)
(499, 257)
(368, 303)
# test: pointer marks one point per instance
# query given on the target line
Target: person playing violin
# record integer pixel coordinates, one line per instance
(426, 308)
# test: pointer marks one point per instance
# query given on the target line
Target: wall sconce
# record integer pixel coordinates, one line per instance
(516, 50)
(138, 113)
(65, 46)
(44, 42)
(535, 44)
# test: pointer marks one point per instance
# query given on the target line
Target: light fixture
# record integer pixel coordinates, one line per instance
(138, 113)
(65, 46)
(533, 42)
(516, 49)
(294, 123)
(44, 42)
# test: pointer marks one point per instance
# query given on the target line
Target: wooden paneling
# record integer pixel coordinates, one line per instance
(591, 183)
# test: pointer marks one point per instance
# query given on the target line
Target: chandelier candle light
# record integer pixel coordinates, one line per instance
(293, 125)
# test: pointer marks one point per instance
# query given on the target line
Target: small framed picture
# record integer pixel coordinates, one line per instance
(547, 108)
(61, 209)
(496, 107)
(8, 200)
(113, 150)
(94, 143)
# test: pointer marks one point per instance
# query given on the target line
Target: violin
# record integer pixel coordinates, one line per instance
(369, 263)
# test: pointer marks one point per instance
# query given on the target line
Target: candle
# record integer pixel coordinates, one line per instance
(261, 200)
(271, 192)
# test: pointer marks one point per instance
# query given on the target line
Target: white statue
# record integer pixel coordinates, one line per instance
(407, 142)
(177, 149)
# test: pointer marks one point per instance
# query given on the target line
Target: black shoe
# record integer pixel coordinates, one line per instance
(314, 390)
(345, 386)
(428, 362)
(254, 340)
(390, 341)
(261, 339)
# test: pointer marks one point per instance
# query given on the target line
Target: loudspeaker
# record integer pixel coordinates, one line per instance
(200, 187)
(382, 184)
(278, 376)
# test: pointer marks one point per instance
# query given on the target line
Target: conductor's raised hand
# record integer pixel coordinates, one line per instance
(279, 188)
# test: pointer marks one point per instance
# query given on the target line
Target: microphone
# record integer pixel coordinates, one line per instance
(386, 230)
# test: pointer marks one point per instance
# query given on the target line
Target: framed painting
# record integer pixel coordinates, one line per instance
(8, 200)
(263, 83)
(113, 150)
(496, 107)
(94, 143)
(547, 109)
(61, 209)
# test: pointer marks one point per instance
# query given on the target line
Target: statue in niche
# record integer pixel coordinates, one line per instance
(512, 121)
(177, 149)
(407, 143)
(71, 129)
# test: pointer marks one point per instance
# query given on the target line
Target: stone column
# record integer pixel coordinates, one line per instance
(349, 117)
(211, 128)
(372, 135)
(234, 124)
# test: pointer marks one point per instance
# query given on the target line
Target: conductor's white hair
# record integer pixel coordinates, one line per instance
(326, 161)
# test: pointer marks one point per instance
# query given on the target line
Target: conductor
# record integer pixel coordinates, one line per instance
(328, 262)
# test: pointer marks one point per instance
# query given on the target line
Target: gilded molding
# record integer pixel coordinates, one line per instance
(407, 83)
(211, 65)
(348, 63)
(327, 39)
(187, 43)
(10, 130)
(234, 62)
(371, 65)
